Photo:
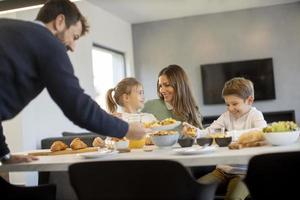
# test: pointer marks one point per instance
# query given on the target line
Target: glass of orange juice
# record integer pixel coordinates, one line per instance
(137, 144)
(216, 133)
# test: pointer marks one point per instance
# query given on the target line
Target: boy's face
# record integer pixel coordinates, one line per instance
(238, 106)
(136, 98)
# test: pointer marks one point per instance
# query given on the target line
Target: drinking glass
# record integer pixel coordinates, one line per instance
(216, 132)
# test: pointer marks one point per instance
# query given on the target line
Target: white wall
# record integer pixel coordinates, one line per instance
(230, 36)
(42, 118)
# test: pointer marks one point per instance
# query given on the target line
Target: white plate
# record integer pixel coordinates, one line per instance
(197, 150)
(166, 127)
(97, 154)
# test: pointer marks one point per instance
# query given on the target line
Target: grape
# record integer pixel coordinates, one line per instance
(281, 126)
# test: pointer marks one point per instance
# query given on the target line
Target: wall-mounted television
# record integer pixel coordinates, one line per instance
(259, 71)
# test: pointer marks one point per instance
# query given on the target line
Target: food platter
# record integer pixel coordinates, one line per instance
(195, 150)
(47, 152)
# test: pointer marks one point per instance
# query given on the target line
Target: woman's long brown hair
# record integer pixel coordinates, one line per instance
(183, 102)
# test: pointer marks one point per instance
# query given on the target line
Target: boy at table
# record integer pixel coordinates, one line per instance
(238, 94)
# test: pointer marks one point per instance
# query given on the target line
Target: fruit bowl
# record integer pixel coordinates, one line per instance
(282, 138)
(281, 133)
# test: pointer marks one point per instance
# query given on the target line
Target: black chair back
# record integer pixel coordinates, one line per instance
(143, 179)
(13, 192)
(274, 176)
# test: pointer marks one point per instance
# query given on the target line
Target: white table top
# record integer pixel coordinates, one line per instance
(222, 155)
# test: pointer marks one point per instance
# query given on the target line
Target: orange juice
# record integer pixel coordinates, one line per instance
(137, 144)
(216, 133)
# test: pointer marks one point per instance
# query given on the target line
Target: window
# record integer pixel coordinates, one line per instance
(108, 69)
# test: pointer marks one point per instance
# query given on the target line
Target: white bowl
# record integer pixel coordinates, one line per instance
(122, 144)
(282, 138)
(165, 140)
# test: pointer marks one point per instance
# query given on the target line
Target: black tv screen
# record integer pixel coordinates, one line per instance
(260, 72)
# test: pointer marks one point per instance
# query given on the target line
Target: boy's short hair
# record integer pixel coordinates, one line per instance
(238, 86)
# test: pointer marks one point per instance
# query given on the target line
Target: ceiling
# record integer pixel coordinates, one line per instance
(9, 5)
(13, 4)
(139, 11)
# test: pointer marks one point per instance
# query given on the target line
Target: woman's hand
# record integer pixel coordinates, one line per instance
(189, 130)
(186, 126)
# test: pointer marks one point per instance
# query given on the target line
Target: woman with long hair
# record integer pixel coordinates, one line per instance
(175, 98)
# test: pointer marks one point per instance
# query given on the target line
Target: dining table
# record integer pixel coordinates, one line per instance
(189, 157)
(195, 156)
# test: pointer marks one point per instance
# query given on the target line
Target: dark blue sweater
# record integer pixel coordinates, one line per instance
(32, 59)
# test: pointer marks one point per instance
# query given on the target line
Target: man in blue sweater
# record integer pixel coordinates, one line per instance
(33, 57)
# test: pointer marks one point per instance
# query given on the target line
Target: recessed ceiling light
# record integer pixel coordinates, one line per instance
(24, 8)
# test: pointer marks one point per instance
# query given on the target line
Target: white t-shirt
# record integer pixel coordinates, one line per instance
(253, 119)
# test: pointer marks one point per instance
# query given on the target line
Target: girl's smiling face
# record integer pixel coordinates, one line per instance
(135, 100)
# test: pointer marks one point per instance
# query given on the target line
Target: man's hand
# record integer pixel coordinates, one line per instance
(116, 114)
(136, 131)
(20, 159)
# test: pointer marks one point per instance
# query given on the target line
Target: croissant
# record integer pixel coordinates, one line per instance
(236, 145)
(249, 139)
(78, 144)
(58, 146)
(98, 142)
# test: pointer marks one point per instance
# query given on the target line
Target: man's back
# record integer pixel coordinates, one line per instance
(32, 58)
(23, 45)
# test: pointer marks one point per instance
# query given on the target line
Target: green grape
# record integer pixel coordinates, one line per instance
(281, 126)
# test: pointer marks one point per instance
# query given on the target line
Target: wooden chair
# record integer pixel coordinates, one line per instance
(274, 176)
(142, 179)
(13, 192)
